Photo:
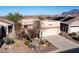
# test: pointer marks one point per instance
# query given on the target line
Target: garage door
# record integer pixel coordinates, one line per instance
(49, 32)
(74, 29)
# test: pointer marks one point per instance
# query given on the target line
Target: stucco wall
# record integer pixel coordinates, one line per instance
(50, 23)
(74, 27)
(27, 21)
(50, 27)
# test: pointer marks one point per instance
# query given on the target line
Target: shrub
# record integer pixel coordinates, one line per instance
(73, 34)
(32, 46)
(8, 41)
(78, 31)
(27, 42)
(17, 44)
(42, 42)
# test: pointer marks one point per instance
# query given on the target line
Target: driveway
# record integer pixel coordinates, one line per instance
(61, 43)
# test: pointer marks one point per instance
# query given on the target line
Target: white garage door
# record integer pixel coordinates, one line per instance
(49, 32)
(74, 29)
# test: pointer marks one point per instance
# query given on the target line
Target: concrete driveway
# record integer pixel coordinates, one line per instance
(61, 43)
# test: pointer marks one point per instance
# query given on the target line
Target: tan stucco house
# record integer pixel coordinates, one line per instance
(48, 27)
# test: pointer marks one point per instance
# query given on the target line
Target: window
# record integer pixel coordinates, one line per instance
(9, 29)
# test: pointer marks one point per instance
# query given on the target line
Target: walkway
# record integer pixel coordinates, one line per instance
(61, 43)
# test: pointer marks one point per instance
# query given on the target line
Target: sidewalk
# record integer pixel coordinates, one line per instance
(61, 43)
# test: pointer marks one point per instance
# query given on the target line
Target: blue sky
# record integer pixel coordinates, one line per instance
(35, 10)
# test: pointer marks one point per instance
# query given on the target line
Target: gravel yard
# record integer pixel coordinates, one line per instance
(20, 47)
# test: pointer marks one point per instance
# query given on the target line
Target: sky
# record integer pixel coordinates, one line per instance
(35, 10)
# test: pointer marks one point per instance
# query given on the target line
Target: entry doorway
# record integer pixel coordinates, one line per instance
(9, 29)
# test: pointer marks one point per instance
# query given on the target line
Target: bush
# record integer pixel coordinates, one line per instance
(32, 46)
(73, 34)
(17, 44)
(78, 31)
(42, 42)
(27, 42)
(8, 41)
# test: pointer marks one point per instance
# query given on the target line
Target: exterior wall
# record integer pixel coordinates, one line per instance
(74, 27)
(50, 24)
(27, 21)
(50, 27)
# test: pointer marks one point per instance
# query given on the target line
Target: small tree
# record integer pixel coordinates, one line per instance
(14, 17)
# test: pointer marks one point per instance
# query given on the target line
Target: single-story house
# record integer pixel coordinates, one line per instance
(6, 27)
(48, 27)
(70, 24)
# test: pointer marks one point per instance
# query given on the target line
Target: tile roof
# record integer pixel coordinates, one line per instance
(70, 21)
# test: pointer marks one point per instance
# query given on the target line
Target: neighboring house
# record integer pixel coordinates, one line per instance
(48, 27)
(6, 27)
(70, 24)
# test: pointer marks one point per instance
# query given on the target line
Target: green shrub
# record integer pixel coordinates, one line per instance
(78, 31)
(8, 41)
(17, 44)
(27, 42)
(32, 46)
(74, 34)
(42, 42)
